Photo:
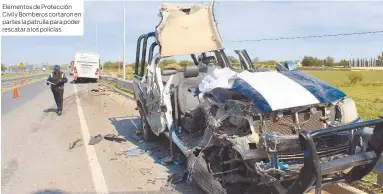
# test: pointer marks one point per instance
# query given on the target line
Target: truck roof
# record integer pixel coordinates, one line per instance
(187, 29)
(84, 52)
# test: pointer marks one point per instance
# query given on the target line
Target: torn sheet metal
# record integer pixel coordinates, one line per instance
(323, 91)
(272, 91)
(95, 139)
(186, 29)
(113, 137)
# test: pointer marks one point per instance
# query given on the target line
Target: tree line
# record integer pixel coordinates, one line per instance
(307, 61)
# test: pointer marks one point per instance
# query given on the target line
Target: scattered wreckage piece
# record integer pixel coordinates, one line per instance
(280, 130)
(95, 139)
(110, 137)
(77, 143)
(113, 137)
(134, 152)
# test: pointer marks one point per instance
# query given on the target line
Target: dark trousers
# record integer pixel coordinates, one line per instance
(58, 94)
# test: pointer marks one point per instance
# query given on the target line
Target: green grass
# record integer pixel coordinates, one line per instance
(124, 90)
(118, 73)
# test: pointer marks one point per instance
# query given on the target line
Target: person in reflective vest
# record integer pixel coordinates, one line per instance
(57, 80)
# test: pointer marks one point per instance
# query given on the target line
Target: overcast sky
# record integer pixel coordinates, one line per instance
(236, 21)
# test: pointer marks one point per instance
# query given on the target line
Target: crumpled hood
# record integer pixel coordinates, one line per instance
(272, 91)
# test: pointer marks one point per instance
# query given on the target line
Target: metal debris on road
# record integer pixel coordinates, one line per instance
(163, 177)
(152, 150)
(137, 138)
(95, 139)
(112, 137)
(167, 160)
(171, 160)
(133, 152)
(178, 179)
(75, 144)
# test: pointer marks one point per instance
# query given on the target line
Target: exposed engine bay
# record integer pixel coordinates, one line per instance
(240, 144)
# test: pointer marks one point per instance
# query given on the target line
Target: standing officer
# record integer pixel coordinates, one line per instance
(57, 80)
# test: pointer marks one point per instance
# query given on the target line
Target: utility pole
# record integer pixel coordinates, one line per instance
(96, 38)
(123, 63)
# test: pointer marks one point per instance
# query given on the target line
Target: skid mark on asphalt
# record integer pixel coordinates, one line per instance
(8, 172)
(95, 168)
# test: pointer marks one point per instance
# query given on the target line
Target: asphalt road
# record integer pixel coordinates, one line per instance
(35, 143)
(26, 93)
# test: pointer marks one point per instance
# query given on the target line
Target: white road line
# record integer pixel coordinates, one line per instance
(95, 168)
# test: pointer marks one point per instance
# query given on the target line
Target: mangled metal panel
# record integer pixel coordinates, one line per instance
(187, 29)
(271, 91)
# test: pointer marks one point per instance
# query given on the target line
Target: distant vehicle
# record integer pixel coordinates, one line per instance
(43, 68)
(86, 66)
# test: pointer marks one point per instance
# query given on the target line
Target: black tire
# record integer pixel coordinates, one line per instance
(202, 177)
(147, 133)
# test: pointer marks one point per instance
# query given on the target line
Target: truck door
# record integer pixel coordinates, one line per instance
(146, 85)
(245, 60)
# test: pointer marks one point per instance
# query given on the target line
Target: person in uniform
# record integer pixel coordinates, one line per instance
(57, 80)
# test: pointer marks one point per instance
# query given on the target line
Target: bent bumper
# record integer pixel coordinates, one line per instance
(312, 171)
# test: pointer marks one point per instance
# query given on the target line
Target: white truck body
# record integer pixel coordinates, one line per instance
(87, 65)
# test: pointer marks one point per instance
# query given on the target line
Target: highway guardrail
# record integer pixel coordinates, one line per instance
(126, 84)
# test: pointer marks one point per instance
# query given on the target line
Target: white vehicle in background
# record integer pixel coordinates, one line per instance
(86, 66)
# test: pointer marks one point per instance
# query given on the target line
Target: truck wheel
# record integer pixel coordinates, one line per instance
(201, 176)
(147, 133)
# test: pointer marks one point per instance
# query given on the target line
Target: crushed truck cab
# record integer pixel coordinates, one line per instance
(281, 130)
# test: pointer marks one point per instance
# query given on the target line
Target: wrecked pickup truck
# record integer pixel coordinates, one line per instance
(283, 130)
